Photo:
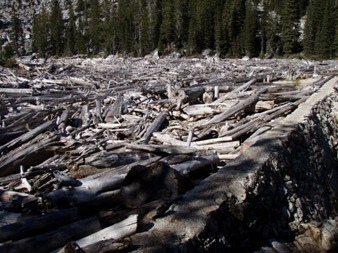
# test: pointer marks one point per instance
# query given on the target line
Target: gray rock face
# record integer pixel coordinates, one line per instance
(25, 10)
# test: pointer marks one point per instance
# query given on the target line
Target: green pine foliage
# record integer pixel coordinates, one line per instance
(290, 27)
(95, 27)
(335, 43)
(312, 26)
(41, 33)
(250, 29)
(325, 36)
(231, 28)
(167, 29)
(56, 29)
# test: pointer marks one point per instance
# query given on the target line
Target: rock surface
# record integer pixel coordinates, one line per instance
(25, 10)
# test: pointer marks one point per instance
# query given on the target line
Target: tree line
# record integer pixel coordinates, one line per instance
(231, 28)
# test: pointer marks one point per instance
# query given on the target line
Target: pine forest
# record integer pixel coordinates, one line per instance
(230, 28)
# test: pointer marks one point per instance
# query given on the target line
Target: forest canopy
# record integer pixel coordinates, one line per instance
(230, 28)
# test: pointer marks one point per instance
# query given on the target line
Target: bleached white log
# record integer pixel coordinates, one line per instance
(117, 231)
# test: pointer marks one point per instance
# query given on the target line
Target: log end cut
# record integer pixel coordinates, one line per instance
(158, 181)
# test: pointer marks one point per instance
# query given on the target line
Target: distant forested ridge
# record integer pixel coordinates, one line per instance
(230, 28)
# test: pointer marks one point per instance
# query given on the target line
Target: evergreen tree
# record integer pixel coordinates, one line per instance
(41, 32)
(126, 25)
(233, 16)
(290, 28)
(145, 40)
(56, 29)
(181, 25)
(273, 40)
(325, 37)
(219, 30)
(70, 30)
(250, 29)
(312, 26)
(167, 26)
(17, 34)
(95, 28)
(155, 19)
(335, 43)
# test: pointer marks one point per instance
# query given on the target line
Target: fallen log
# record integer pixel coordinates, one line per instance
(28, 155)
(54, 239)
(16, 91)
(167, 149)
(28, 136)
(197, 164)
(112, 233)
(236, 91)
(157, 123)
(92, 191)
(235, 109)
(37, 224)
(158, 181)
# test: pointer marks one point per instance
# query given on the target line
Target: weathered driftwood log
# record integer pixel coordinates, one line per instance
(54, 239)
(99, 191)
(237, 108)
(7, 137)
(224, 147)
(156, 124)
(158, 181)
(16, 91)
(167, 139)
(190, 94)
(212, 141)
(31, 153)
(41, 169)
(208, 109)
(114, 111)
(110, 245)
(112, 233)
(239, 89)
(168, 149)
(37, 224)
(27, 136)
(198, 164)
(81, 82)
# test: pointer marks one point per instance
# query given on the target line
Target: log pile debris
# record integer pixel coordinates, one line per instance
(93, 150)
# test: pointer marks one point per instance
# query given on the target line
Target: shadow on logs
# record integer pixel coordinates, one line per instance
(158, 181)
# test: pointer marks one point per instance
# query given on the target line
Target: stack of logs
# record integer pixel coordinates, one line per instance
(93, 150)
